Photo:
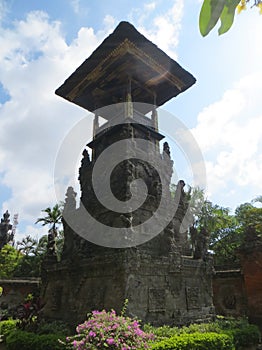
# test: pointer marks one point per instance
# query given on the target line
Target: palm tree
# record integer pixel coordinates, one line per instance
(53, 217)
(27, 246)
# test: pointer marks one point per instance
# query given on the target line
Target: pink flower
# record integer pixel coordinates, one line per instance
(92, 334)
(110, 341)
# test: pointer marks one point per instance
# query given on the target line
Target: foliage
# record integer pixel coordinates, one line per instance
(32, 256)
(57, 327)
(228, 232)
(27, 246)
(250, 217)
(213, 10)
(28, 313)
(197, 341)
(29, 266)
(54, 220)
(53, 217)
(7, 327)
(247, 336)
(20, 340)
(161, 332)
(9, 260)
(242, 333)
(108, 330)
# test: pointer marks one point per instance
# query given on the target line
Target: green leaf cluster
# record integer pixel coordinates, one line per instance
(20, 340)
(239, 331)
(10, 258)
(7, 327)
(197, 341)
(212, 11)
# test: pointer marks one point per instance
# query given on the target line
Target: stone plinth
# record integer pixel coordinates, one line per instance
(162, 290)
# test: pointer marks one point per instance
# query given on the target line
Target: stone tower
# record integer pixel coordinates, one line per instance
(129, 247)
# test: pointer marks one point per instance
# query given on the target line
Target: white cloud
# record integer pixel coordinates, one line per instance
(164, 29)
(35, 60)
(229, 133)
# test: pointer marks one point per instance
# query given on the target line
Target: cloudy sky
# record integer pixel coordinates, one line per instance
(42, 43)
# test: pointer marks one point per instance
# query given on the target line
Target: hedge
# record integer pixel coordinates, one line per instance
(247, 336)
(196, 341)
(21, 340)
(243, 333)
(6, 327)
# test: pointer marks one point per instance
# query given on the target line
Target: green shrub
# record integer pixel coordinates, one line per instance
(240, 330)
(246, 336)
(202, 328)
(196, 341)
(21, 340)
(162, 332)
(57, 327)
(6, 327)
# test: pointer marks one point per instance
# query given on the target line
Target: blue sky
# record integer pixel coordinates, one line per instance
(42, 43)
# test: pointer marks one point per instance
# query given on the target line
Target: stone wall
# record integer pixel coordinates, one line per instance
(160, 290)
(229, 293)
(15, 291)
(251, 262)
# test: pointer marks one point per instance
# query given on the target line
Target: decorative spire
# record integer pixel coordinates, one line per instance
(70, 201)
(166, 150)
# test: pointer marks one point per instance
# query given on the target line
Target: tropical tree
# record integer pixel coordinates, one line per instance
(27, 246)
(53, 217)
(250, 217)
(221, 228)
(53, 242)
(223, 10)
(10, 258)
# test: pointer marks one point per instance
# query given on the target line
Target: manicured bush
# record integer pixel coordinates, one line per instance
(240, 330)
(162, 332)
(21, 340)
(246, 336)
(106, 330)
(6, 327)
(196, 341)
(57, 327)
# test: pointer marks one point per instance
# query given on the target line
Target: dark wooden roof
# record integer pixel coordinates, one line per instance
(126, 54)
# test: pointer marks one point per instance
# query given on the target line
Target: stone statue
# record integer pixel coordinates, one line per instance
(85, 162)
(166, 149)
(6, 234)
(202, 242)
(51, 242)
(70, 200)
(193, 237)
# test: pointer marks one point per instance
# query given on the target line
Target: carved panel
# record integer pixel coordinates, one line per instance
(156, 299)
(56, 298)
(192, 298)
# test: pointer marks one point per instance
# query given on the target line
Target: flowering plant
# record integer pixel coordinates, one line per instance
(107, 330)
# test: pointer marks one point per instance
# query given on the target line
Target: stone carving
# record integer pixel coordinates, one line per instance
(166, 150)
(193, 237)
(70, 200)
(156, 299)
(201, 245)
(51, 242)
(192, 297)
(56, 298)
(6, 234)
(229, 301)
(85, 163)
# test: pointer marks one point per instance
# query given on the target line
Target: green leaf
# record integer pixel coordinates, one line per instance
(227, 16)
(209, 15)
